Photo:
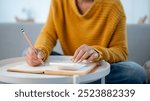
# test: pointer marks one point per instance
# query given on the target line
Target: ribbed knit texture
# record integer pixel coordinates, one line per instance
(102, 27)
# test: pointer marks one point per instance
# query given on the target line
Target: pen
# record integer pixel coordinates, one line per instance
(30, 44)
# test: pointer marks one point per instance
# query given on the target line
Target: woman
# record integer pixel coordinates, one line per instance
(90, 30)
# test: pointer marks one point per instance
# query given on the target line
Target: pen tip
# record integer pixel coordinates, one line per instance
(22, 30)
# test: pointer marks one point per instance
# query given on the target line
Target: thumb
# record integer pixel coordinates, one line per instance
(40, 55)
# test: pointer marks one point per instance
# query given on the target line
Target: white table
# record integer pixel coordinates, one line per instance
(26, 78)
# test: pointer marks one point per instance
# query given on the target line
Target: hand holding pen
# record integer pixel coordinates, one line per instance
(34, 59)
(33, 56)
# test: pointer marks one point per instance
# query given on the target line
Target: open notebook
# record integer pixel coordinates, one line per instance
(58, 65)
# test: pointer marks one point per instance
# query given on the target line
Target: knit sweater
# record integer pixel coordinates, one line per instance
(102, 26)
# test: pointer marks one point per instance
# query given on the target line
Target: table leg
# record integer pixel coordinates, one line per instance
(103, 80)
(76, 79)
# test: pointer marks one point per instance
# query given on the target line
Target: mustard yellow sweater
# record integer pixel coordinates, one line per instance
(102, 27)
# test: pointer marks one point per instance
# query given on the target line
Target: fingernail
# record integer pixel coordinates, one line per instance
(75, 60)
(79, 61)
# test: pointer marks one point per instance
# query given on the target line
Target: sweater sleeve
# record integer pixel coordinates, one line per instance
(117, 49)
(48, 37)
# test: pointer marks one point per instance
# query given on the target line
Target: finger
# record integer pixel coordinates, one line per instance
(31, 57)
(32, 64)
(81, 53)
(40, 55)
(78, 50)
(36, 62)
(75, 55)
(28, 61)
(87, 55)
(32, 61)
(92, 57)
(32, 53)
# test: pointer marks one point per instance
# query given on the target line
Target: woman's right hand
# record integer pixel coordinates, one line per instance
(33, 58)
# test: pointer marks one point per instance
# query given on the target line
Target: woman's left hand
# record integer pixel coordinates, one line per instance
(85, 52)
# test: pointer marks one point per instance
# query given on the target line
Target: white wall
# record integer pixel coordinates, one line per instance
(39, 8)
(11, 8)
(136, 9)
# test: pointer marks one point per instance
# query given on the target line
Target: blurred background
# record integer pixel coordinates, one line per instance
(31, 15)
(12, 11)
(36, 10)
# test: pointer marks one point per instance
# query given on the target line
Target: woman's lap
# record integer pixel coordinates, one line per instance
(125, 73)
